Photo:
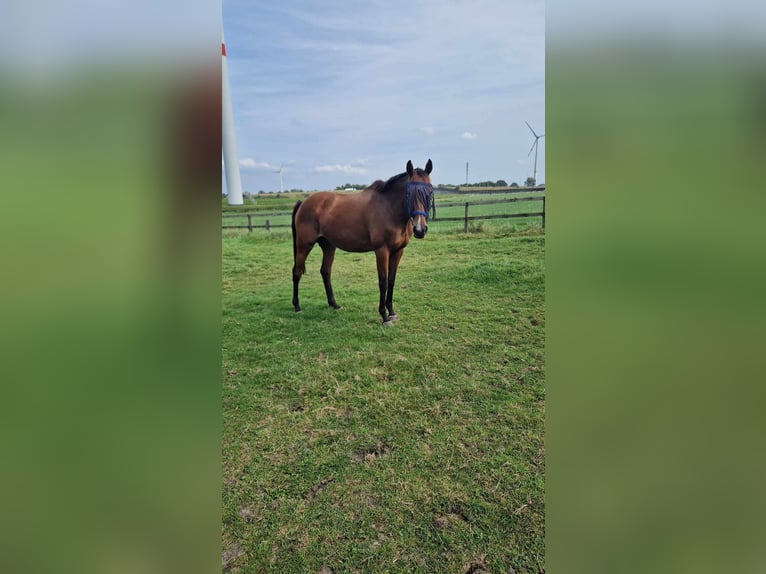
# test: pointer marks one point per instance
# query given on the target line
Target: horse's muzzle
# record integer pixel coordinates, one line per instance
(420, 233)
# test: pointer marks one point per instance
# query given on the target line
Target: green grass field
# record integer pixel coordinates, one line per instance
(352, 447)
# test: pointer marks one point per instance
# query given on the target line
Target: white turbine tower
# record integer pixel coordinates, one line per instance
(230, 157)
(281, 184)
(534, 147)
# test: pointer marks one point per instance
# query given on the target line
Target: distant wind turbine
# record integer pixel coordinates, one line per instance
(281, 184)
(534, 147)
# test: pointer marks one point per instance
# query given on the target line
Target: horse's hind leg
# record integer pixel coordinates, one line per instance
(299, 268)
(328, 255)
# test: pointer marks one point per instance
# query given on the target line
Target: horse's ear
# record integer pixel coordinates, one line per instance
(410, 168)
(429, 166)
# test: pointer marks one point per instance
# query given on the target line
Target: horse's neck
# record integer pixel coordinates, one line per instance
(392, 202)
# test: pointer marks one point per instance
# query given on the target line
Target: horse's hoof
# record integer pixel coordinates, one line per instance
(393, 317)
(299, 310)
(388, 323)
(336, 307)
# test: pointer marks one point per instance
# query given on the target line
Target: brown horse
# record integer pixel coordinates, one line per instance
(381, 218)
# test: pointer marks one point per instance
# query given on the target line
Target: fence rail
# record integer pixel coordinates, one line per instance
(256, 213)
(493, 201)
(268, 226)
(466, 218)
(471, 190)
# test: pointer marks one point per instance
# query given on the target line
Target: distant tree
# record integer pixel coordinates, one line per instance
(501, 183)
(530, 182)
(514, 184)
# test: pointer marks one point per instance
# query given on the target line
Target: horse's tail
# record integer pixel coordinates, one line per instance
(295, 245)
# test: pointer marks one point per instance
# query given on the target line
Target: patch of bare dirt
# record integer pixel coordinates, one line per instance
(246, 513)
(325, 411)
(477, 566)
(317, 488)
(373, 453)
(231, 554)
(444, 520)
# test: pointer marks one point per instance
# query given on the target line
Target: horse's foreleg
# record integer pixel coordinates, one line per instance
(328, 255)
(393, 265)
(381, 256)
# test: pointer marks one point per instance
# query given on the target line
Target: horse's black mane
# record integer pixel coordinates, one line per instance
(394, 181)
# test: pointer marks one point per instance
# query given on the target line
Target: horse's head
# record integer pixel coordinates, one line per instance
(419, 197)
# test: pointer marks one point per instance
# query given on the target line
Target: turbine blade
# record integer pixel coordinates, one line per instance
(530, 128)
(530, 149)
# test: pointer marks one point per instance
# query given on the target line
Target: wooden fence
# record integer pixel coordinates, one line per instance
(268, 226)
(466, 218)
(491, 190)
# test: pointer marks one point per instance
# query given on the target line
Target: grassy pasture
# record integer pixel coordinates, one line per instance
(360, 448)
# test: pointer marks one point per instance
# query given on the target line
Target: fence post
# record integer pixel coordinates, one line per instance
(465, 227)
(249, 223)
(268, 225)
(543, 213)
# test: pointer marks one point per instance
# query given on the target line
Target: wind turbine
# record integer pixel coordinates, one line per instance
(534, 146)
(229, 138)
(279, 171)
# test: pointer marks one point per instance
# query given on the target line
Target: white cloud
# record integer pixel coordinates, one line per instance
(427, 131)
(250, 163)
(336, 168)
(469, 136)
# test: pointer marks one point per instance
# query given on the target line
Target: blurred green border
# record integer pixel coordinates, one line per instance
(655, 305)
(110, 307)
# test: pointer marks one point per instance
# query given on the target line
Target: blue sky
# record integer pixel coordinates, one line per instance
(342, 91)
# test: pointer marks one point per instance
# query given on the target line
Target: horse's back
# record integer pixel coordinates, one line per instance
(329, 205)
(341, 218)
(315, 209)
